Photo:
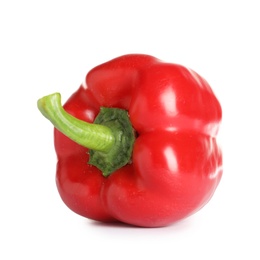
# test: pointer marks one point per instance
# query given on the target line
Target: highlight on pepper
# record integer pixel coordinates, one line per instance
(136, 142)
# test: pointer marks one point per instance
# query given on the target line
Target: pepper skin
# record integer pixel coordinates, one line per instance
(176, 163)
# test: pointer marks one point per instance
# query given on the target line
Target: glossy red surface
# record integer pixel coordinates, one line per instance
(176, 164)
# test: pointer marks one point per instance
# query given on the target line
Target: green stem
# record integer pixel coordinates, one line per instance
(92, 136)
(110, 138)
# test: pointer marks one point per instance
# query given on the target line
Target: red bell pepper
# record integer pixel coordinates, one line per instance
(136, 142)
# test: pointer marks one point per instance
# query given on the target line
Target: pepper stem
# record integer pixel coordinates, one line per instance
(92, 136)
(110, 139)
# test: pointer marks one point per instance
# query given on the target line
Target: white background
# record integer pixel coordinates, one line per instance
(48, 46)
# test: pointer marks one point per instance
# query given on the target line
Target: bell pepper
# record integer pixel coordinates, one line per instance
(136, 143)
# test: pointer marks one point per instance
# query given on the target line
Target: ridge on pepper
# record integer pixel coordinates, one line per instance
(136, 142)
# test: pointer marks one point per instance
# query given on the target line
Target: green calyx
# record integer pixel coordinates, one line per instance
(120, 153)
(110, 138)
